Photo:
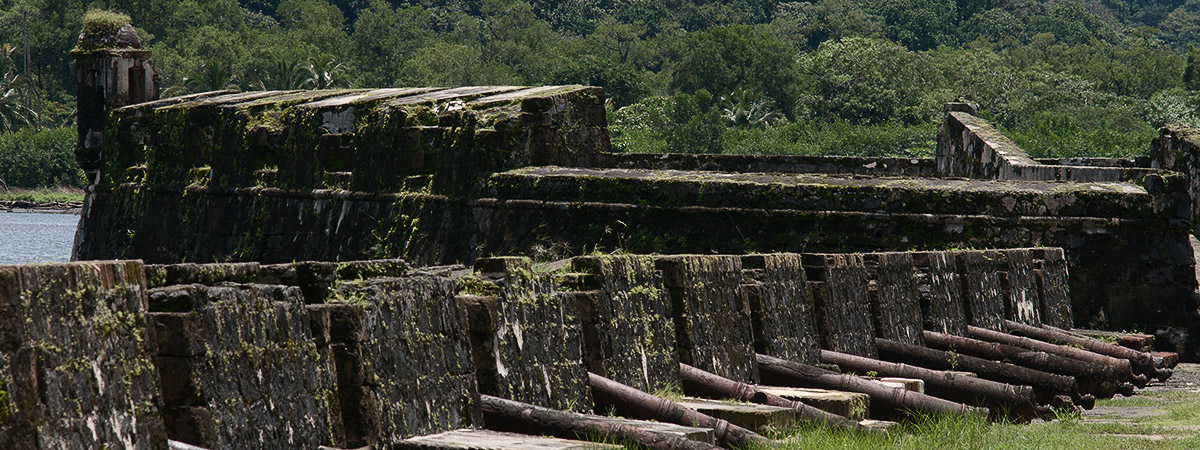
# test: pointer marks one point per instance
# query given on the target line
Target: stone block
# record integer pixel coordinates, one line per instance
(76, 365)
(781, 306)
(752, 416)
(983, 297)
(402, 361)
(881, 425)
(1139, 342)
(939, 290)
(1020, 287)
(851, 405)
(527, 342)
(704, 435)
(260, 378)
(177, 334)
(842, 303)
(911, 384)
(1053, 285)
(895, 304)
(628, 321)
(473, 439)
(1169, 359)
(712, 323)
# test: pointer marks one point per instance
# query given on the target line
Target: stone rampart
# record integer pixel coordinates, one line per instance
(373, 352)
(77, 365)
(1177, 148)
(969, 146)
(440, 176)
(833, 165)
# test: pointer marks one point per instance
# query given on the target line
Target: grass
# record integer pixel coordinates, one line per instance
(61, 194)
(1179, 410)
(97, 22)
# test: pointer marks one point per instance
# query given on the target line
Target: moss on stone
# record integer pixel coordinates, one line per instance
(98, 22)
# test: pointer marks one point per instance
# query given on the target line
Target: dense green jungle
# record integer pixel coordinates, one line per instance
(828, 77)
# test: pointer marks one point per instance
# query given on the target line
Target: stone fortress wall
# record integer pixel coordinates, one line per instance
(374, 352)
(723, 264)
(440, 176)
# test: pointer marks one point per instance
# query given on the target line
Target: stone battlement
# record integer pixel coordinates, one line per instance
(440, 176)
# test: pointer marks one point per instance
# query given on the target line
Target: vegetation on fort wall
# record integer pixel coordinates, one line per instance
(39, 158)
(1063, 77)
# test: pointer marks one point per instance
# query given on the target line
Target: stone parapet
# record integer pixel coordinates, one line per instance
(77, 366)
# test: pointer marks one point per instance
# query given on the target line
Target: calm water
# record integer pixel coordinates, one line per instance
(36, 237)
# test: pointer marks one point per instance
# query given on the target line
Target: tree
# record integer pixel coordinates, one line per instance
(864, 81)
(727, 58)
(326, 73)
(994, 25)
(1182, 26)
(14, 89)
(212, 75)
(385, 39)
(1191, 72)
(283, 75)
(918, 24)
(748, 109)
(806, 25)
(695, 124)
(1071, 23)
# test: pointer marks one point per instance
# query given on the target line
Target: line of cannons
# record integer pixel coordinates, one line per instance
(378, 353)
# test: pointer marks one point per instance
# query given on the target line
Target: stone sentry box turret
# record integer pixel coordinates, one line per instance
(111, 70)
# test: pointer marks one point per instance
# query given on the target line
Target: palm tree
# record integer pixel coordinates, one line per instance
(326, 73)
(282, 75)
(748, 109)
(14, 92)
(213, 76)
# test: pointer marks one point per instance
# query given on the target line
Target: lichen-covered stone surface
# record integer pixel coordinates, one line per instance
(982, 294)
(402, 358)
(443, 176)
(629, 314)
(940, 291)
(829, 164)
(1020, 287)
(76, 358)
(840, 293)
(1053, 287)
(239, 367)
(526, 336)
(895, 304)
(781, 307)
(712, 323)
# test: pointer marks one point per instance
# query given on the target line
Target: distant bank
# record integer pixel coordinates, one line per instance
(37, 236)
(61, 199)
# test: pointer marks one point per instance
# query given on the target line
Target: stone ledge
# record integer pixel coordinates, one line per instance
(471, 439)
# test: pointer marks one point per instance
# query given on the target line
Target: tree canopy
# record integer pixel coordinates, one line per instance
(733, 76)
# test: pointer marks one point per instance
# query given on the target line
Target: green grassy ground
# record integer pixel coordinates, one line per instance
(1167, 419)
(43, 195)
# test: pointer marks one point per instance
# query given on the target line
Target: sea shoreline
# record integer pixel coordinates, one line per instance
(22, 206)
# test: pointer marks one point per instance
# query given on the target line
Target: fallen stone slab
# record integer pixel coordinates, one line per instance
(851, 405)
(471, 439)
(882, 425)
(746, 415)
(910, 384)
(1169, 359)
(699, 434)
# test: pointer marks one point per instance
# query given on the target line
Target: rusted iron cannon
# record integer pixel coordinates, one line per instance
(631, 402)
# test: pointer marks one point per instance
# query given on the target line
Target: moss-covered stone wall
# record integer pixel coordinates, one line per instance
(77, 358)
(311, 353)
(527, 340)
(625, 310)
(238, 365)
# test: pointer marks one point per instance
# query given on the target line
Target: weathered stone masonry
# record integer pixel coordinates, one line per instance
(373, 352)
(335, 172)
